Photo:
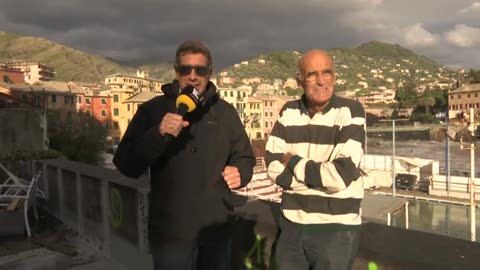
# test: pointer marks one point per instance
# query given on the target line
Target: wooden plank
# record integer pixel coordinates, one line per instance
(15, 203)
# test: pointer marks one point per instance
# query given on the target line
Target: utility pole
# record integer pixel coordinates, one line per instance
(393, 154)
(471, 129)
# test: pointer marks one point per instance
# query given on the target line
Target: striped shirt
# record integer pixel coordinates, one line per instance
(322, 182)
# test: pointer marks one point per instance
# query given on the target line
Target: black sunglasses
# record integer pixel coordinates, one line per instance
(185, 70)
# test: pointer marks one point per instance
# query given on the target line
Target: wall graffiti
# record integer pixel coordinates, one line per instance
(116, 208)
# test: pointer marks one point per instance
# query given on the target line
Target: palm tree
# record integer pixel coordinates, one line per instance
(473, 77)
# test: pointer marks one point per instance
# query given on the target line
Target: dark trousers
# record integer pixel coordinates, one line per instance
(179, 255)
(300, 249)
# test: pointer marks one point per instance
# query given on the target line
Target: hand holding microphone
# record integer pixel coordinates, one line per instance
(173, 123)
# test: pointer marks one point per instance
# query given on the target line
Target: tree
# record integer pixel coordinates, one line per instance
(406, 97)
(427, 100)
(79, 136)
(473, 76)
(293, 92)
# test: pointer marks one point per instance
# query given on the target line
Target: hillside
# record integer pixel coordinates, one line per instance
(69, 64)
(376, 63)
(162, 71)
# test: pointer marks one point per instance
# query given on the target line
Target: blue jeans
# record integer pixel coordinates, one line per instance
(179, 255)
(301, 249)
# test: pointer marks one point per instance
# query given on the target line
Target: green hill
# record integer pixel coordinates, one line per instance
(377, 63)
(69, 64)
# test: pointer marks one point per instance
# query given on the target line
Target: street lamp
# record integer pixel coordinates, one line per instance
(471, 127)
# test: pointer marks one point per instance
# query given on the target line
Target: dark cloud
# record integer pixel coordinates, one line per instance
(150, 30)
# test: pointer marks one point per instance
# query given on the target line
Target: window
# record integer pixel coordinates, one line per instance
(451, 97)
(115, 98)
(271, 114)
(54, 99)
(266, 124)
(476, 94)
(104, 112)
(115, 111)
(468, 95)
(79, 99)
(459, 96)
(103, 101)
(87, 101)
(88, 112)
(36, 100)
(115, 125)
(231, 93)
(266, 114)
(67, 100)
(128, 107)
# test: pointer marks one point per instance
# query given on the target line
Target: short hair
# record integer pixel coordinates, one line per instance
(193, 46)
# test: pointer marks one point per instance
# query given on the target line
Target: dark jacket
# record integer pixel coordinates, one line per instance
(188, 193)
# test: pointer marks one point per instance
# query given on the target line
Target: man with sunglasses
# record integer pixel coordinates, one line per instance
(314, 152)
(193, 173)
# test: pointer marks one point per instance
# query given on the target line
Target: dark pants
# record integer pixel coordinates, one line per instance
(297, 248)
(178, 255)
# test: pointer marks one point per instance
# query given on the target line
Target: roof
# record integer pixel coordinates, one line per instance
(142, 97)
(22, 87)
(254, 99)
(63, 86)
(467, 88)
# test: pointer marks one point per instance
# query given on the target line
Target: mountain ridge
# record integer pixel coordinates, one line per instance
(352, 65)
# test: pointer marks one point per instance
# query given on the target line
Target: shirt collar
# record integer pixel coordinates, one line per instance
(304, 106)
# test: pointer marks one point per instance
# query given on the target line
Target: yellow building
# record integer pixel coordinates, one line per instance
(121, 112)
(460, 100)
(135, 101)
(237, 97)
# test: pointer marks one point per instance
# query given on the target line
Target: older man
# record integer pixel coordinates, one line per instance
(195, 161)
(314, 152)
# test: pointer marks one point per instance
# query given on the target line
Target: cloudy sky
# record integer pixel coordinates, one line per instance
(447, 31)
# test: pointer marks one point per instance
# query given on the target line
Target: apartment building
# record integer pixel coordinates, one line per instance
(44, 96)
(32, 71)
(120, 112)
(463, 98)
(269, 114)
(386, 96)
(135, 101)
(139, 82)
(237, 97)
(11, 75)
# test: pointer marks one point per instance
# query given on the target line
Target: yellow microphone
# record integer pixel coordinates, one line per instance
(187, 101)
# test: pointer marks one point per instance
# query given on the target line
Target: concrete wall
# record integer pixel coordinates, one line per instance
(110, 211)
(20, 129)
(459, 187)
(106, 208)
